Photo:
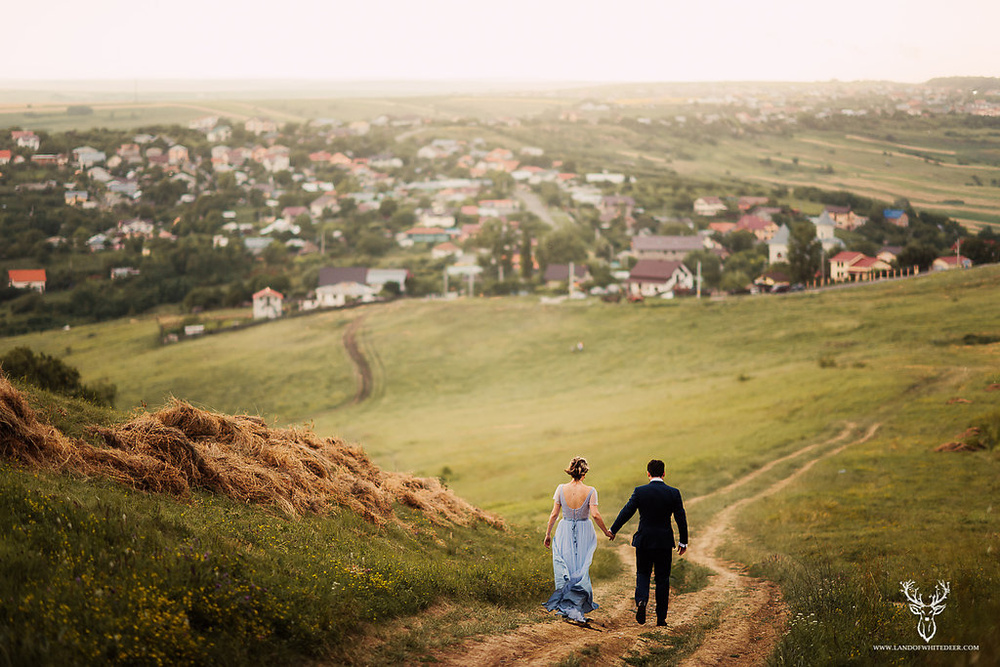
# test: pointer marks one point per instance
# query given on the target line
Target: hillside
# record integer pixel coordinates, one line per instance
(804, 426)
(244, 542)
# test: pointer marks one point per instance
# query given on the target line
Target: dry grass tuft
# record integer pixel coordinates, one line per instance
(181, 448)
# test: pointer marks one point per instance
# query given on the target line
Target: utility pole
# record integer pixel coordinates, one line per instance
(699, 279)
(569, 280)
(445, 283)
(472, 280)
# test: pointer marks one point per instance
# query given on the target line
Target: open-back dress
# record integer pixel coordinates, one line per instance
(572, 551)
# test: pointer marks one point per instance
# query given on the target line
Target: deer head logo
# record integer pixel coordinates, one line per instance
(926, 611)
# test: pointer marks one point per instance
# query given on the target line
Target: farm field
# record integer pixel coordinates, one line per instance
(487, 394)
(932, 179)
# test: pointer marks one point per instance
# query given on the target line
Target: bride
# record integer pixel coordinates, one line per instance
(574, 544)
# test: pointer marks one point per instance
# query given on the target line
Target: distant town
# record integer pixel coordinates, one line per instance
(292, 217)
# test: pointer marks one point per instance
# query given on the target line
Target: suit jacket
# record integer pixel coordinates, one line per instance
(656, 503)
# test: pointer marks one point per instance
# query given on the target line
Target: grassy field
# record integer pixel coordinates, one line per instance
(488, 394)
(930, 178)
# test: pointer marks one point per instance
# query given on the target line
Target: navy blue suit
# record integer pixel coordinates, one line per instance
(654, 540)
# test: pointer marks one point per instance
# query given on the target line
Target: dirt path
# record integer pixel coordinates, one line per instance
(745, 615)
(366, 381)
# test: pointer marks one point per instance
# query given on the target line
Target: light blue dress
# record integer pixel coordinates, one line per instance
(573, 548)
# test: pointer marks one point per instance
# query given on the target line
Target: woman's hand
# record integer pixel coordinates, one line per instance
(547, 541)
(608, 534)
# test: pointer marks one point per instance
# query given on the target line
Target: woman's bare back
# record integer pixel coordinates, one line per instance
(575, 494)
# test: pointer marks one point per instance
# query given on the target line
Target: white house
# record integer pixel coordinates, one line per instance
(654, 277)
(267, 304)
(708, 206)
(87, 156)
(338, 295)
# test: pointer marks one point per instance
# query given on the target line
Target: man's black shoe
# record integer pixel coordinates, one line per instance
(640, 613)
(660, 622)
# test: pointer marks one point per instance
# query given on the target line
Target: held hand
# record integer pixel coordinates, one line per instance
(681, 550)
(548, 541)
(611, 536)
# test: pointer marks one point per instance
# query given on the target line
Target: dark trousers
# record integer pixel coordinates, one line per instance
(648, 561)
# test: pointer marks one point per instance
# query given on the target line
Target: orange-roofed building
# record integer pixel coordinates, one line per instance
(26, 279)
(267, 304)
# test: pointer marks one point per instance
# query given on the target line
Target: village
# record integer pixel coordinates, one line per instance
(390, 207)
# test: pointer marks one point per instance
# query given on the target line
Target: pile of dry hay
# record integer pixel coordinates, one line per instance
(182, 447)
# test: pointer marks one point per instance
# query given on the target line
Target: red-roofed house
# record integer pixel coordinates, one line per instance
(951, 262)
(747, 203)
(849, 265)
(762, 228)
(722, 227)
(4, 157)
(652, 277)
(267, 304)
(26, 279)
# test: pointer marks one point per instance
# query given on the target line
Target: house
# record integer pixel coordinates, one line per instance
(747, 203)
(889, 253)
(219, 133)
(378, 278)
(259, 126)
(951, 262)
(424, 235)
(276, 158)
(74, 197)
(374, 279)
(98, 242)
(5, 156)
(86, 156)
(26, 279)
(446, 249)
(342, 293)
(656, 277)
(708, 206)
(130, 153)
(668, 248)
(558, 274)
(759, 227)
(177, 154)
(849, 265)
(26, 139)
(267, 304)
(497, 208)
(896, 217)
(328, 202)
(722, 227)
(844, 217)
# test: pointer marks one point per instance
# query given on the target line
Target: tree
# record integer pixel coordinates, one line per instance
(53, 374)
(561, 246)
(804, 251)
(711, 266)
(917, 254)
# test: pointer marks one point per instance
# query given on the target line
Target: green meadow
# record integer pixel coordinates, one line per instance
(488, 395)
(935, 172)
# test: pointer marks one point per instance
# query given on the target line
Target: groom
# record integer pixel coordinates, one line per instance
(654, 541)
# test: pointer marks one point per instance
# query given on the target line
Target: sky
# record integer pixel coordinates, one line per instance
(515, 40)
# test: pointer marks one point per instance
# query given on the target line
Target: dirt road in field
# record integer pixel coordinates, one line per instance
(366, 381)
(735, 620)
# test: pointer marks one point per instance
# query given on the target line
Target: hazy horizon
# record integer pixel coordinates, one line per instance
(579, 41)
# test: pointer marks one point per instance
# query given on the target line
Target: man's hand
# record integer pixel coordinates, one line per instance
(611, 536)
(681, 550)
